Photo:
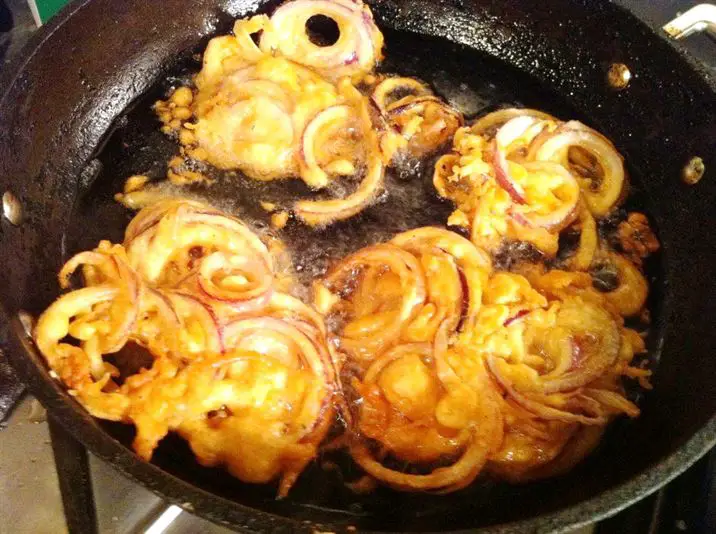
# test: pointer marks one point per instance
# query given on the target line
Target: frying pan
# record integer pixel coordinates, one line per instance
(66, 141)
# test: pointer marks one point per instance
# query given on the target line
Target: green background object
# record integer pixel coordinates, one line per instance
(42, 10)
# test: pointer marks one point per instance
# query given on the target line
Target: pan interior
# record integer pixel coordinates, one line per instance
(475, 84)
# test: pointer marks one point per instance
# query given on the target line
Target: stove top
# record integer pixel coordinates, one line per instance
(28, 474)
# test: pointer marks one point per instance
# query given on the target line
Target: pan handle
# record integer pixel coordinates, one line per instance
(698, 19)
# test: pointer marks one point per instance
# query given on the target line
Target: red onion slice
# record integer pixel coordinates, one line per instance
(596, 341)
(587, 343)
(243, 30)
(357, 49)
(311, 172)
(413, 287)
(475, 264)
(253, 294)
(461, 472)
(54, 324)
(381, 93)
(471, 445)
(591, 416)
(183, 229)
(235, 335)
(517, 317)
(324, 212)
(506, 135)
(109, 267)
(614, 401)
(150, 216)
(243, 235)
(600, 198)
(588, 241)
(568, 194)
(126, 310)
(89, 258)
(191, 311)
(630, 295)
(491, 122)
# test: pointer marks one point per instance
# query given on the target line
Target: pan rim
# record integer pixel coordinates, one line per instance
(175, 490)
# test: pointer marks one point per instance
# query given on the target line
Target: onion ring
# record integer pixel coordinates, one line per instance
(251, 291)
(491, 122)
(475, 264)
(311, 172)
(472, 445)
(358, 48)
(602, 198)
(567, 194)
(324, 212)
(54, 325)
(506, 135)
(592, 414)
(588, 241)
(382, 91)
(412, 283)
(630, 295)
(200, 327)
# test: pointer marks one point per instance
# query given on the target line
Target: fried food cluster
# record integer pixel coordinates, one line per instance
(523, 175)
(240, 370)
(281, 106)
(452, 360)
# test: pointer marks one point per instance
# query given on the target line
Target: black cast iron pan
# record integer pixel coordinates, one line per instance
(74, 122)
